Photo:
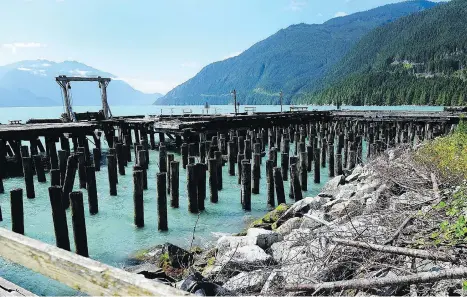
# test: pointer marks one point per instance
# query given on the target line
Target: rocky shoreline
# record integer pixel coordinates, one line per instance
(316, 240)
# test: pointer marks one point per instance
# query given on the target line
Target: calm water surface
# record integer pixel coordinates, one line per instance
(112, 237)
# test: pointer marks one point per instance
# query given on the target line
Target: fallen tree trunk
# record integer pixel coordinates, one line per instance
(423, 254)
(419, 278)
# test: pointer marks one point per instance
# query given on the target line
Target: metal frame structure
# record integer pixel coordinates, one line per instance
(65, 84)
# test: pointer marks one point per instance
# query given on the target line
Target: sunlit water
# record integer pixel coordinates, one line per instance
(112, 237)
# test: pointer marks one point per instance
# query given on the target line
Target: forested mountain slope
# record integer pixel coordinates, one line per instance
(293, 60)
(418, 59)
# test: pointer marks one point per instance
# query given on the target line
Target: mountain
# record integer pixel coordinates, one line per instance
(292, 60)
(32, 83)
(419, 59)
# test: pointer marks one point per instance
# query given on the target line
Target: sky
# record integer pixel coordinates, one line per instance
(154, 45)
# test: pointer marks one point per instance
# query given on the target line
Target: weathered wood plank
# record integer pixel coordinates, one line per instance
(10, 289)
(80, 273)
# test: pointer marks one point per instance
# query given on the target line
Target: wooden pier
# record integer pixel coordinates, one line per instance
(295, 144)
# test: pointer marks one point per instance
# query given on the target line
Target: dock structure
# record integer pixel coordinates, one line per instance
(301, 140)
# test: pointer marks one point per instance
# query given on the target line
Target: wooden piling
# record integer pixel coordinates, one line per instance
(81, 170)
(162, 201)
(96, 154)
(248, 152)
(67, 185)
(170, 158)
(339, 169)
(39, 169)
(138, 201)
(120, 158)
(240, 158)
(192, 188)
(201, 184)
(52, 153)
(331, 159)
(285, 165)
(246, 185)
(270, 183)
(316, 160)
(296, 188)
(17, 211)
(112, 173)
(92, 189)
(213, 180)
(218, 156)
(232, 158)
(59, 218)
(279, 185)
(143, 164)
(28, 177)
(162, 158)
(292, 160)
(256, 173)
(323, 153)
(309, 156)
(174, 183)
(55, 177)
(304, 170)
(79, 223)
(184, 152)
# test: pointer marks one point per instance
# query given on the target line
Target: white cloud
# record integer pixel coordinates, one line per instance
(340, 14)
(149, 85)
(297, 5)
(78, 72)
(14, 46)
(190, 65)
(231, 55)
(40, 72)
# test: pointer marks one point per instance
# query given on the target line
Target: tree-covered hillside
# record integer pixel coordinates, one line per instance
(293, 60)
(418, 59)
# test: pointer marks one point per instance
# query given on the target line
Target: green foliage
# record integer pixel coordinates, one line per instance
(453, 230)
(419, 59)
(447, 156)
(293, 60)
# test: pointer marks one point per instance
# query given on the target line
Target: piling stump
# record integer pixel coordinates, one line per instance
(162, 201)
(59, 218)
(79, 223)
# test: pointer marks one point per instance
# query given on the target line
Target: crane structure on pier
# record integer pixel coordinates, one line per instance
(65, 84)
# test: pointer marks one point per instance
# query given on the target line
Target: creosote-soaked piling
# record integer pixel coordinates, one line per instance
(79, 223)
(67, 187)
(270, 182)
(192, 188)
(112, 172)
(55, 177)
(246, 185)
(213, 189)
(17, 211)
(28, 177)
(92, 189)
(201, 184)
(162, 201)
(138, 201)
(39, 169)
(59, 218)
(174, 183)
(279, 185)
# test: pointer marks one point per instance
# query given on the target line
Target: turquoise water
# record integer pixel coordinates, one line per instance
(112, 236)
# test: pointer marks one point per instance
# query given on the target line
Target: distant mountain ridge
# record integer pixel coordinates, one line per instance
(294, 60)
(32, 83)
(420, 59)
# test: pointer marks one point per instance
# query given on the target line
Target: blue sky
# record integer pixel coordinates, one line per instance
(153, 44)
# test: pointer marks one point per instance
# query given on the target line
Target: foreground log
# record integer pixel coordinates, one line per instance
(423, 254)
(419, 278)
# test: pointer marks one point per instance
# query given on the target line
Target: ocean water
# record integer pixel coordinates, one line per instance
(112, 237)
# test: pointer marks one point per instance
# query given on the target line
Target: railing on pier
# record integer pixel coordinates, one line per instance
(250, 109)
(77, 272)
(298, 108)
